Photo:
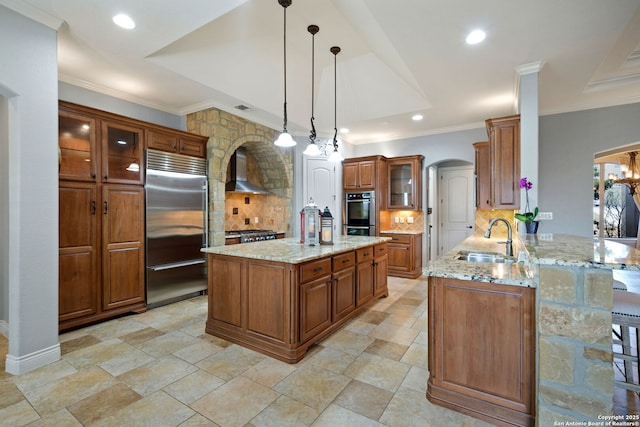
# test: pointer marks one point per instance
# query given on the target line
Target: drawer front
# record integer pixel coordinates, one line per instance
(342, 261)
(380, 250)
(364, 254)
(399, 238)
(315, 269)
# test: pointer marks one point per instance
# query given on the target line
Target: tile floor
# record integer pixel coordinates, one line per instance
(159, 368)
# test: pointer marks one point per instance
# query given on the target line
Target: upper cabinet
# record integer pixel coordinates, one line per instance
(404, 183)
(122, 152)
(483, 175)
(504, 151)
(174, 142)
(98, 146)
(359, 175)
(95, 149)
(362, 173)
(77, 149)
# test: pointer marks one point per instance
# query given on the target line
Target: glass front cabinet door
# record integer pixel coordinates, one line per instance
(77, 150)
(404, 186)
(122, 147)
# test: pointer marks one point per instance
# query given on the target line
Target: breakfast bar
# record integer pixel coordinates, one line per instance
(279, 297)
(525, 338)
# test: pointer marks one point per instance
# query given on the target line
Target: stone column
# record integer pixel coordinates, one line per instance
(575, 359)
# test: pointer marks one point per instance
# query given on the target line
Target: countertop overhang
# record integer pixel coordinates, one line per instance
(532, 251)
(291, 251)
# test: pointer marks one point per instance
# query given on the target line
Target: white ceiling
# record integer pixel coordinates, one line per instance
(398, 58)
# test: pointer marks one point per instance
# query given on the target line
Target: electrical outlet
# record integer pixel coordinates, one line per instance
(545, 236)
(247, 221)
(402, 219)
(255, 220)
(410, 220)
(396, 219)
(545, 215)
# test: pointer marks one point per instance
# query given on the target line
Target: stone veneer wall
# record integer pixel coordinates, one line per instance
(575, 360)
(226, 133)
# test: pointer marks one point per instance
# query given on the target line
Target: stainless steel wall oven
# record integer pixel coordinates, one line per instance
(360, 213)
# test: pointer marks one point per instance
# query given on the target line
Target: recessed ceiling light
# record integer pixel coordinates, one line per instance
(475, 37)
(416, 117)
(124, 21)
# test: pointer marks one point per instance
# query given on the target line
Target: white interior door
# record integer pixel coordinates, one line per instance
(456, 206)
(320, 184)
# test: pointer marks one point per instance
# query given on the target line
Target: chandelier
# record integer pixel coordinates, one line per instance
(630, 173)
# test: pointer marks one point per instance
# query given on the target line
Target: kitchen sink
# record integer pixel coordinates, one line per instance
(483, 257)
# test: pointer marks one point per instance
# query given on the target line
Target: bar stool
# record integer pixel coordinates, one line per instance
(626, 314)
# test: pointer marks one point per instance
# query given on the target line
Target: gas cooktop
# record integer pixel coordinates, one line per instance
(247, 236)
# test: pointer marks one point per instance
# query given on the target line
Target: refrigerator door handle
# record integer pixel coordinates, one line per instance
(177, 265)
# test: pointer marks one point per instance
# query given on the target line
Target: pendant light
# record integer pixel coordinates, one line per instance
(312, 148)
(335, 155)
(285, 140)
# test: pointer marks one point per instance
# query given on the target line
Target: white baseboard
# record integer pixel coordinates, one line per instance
(4, 328)
(20, 365)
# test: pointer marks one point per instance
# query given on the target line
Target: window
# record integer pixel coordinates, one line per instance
(615, 214)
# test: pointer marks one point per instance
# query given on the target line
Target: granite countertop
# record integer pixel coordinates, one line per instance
(515, 273)
(291, 251)
(565, 249)
(531, 251)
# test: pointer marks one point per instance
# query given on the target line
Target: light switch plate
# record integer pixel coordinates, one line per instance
(410, 220)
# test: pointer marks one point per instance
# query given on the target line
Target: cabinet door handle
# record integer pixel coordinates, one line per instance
(93, 207)
(93, 175)
(365, 255)
(106, 177)
(469, 226)
(344, 261)
(315, 270)
(106, 207)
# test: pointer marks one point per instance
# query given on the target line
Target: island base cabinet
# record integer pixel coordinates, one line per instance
(282, 309)
(481, 350)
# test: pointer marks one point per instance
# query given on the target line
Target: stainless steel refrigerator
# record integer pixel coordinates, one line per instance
(176, 227)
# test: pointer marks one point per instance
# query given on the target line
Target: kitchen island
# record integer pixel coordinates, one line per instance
(527, 339)
(279, 297)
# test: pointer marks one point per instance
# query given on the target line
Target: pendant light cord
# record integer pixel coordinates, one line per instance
(313, 29)
(335, 50)
(284, 126)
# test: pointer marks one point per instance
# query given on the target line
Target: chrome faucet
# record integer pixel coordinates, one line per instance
(509, 241)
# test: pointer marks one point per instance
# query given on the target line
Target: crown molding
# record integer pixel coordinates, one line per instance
(33, 13)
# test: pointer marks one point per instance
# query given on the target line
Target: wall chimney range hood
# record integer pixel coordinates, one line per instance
(238, 169)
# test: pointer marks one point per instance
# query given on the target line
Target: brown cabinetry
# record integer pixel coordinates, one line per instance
(122, 246)
(371, 277)
(483, 175)
(315, 297)
(78, 251)
(344, 282)
(504, 151)
(405, 254)
(101, 228)
(404, 190)
(481, 350)
(281, 309)
(177, 142)
(380, 270)
(363, 173)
